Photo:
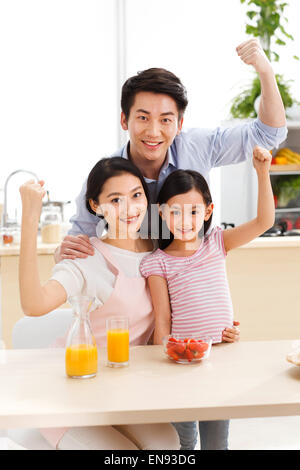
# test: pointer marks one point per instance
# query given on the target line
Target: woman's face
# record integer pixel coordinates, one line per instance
(185, 214)
(123, 204)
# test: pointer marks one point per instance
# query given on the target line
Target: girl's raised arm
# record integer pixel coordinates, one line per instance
(161, 305)
(36, 299)
(264, 220)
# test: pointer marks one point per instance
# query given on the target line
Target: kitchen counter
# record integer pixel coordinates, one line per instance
(264, 284)
(42, 249)
(274, 242)
(260, 242)
(240, 380)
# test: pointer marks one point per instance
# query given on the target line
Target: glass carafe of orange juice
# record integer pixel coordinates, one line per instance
(81, 349)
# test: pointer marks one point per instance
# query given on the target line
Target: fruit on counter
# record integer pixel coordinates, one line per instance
(187, 349)
(280, 161)
(7, 239)
(297, 223)
(288, 156)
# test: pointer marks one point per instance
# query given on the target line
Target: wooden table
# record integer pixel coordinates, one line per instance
(241, 380)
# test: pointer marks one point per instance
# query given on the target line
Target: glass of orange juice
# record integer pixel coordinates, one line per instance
(117, 333)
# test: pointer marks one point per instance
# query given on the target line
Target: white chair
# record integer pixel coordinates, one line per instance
(35, 333)
(41, 332)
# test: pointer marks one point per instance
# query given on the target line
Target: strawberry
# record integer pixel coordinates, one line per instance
(173, 355)
(172, 340)
(179, 348)
(198, 347)
(204, 347)
(171, 349)
(198, 355)
(188, 355)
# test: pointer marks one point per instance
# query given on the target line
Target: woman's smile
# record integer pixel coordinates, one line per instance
(130, 220)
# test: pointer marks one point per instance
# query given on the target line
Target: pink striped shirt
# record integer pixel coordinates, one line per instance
(198, 288)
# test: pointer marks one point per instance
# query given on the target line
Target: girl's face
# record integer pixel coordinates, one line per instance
(123, 204)
(185, 214)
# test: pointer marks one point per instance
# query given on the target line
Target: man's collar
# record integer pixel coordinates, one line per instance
(169, 159)
(125, 151)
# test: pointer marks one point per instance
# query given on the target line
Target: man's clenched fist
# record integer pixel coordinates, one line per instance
(253, 54)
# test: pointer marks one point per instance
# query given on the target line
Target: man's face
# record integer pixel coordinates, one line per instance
(152, 125)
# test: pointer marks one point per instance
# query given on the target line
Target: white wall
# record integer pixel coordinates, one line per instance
(58, 90)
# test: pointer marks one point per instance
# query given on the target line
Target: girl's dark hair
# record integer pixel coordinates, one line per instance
(155, 80)
(180, 182)
(105, 169)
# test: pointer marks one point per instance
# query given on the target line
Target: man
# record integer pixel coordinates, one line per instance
(153, 104)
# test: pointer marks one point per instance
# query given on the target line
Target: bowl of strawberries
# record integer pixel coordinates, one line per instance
(186, 350)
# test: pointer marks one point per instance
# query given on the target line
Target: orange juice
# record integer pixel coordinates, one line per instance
(118, 345)
(81, 360)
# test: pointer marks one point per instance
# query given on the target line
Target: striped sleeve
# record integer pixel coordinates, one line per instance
(152, 265)
(218, 238)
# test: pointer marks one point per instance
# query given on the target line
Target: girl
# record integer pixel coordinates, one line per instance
(187, 276)
(116, 192)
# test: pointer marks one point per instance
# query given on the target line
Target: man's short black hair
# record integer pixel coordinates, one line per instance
(155, 80)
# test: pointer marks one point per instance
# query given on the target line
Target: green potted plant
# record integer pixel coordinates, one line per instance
(266, 23)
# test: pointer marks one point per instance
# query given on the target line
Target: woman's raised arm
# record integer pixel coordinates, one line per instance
(36, 299)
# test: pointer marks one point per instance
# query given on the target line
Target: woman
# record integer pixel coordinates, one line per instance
(116, 192)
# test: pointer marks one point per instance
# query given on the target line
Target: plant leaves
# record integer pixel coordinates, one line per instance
(251, 14)
(285, 33)
(276, 56)
(280, 42)
(252, 30)
(243, 104)
(282, 6)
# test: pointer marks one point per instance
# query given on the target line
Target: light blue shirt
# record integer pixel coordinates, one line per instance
(193, 149)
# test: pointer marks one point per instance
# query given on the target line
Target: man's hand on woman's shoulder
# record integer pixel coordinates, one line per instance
(74, 246)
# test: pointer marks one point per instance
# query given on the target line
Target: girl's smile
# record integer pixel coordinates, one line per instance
(185, 214)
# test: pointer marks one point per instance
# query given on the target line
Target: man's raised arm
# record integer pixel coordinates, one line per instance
(271, 109)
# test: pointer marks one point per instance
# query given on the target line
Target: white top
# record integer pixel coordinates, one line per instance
(92, 276)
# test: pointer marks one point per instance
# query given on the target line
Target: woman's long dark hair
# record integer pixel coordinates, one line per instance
(105, 169)
(180, 182)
